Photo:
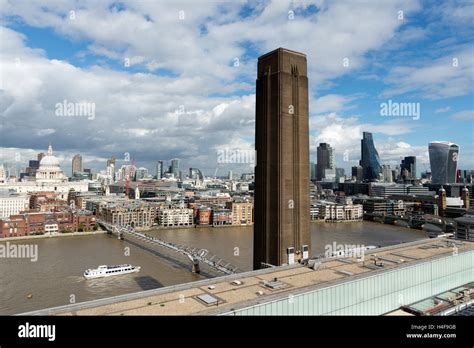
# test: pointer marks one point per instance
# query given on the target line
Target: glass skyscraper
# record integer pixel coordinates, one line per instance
(159, 169)
(443, 161)
(175, 168)
(195, 174)
(409, 163)
(312, 166)
(369, 158)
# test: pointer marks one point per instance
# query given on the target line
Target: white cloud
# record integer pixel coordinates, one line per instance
(331, 103)
(344, 135)
(153, 34)
(463, 115)
(392, 152)
(445, 77)
(457, 12)
(445, 109)
(137, 112)
(45, 132)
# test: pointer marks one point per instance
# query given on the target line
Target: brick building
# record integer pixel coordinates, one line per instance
(242, 212)
(221, 217)
(34, 223)
(132, 213)
(15, 226)
(47, 201)
(204, 216)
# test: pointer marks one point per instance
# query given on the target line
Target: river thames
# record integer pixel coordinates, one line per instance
(56, 279)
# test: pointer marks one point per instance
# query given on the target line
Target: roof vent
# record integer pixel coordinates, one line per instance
(208, 299)
(274, 285)
(347, 273)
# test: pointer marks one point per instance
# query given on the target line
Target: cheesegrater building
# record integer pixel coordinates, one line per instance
(281, 228)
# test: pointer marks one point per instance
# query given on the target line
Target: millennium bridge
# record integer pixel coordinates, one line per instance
(195, 255)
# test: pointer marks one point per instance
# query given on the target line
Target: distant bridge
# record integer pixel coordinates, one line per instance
(194, 254)
(413, 222)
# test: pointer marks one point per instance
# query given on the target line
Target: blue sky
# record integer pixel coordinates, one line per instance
(189, 88)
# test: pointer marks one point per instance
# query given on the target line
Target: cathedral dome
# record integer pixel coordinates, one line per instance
(49, 160)
(49, 169)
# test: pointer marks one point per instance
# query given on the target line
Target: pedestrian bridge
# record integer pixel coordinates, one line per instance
(195, 255)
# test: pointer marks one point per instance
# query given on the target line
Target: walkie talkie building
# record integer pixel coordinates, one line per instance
(443, 161)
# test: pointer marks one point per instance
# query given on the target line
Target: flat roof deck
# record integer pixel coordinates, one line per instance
(295, 279)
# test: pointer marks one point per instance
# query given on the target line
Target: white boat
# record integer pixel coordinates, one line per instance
(108, 271)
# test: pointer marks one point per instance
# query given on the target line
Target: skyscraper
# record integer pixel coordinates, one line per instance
(281, 230)
(159, 169)
(195, 174)
(387, 175)
(33, 166)
(340, 173)
(325, 158)
(409, 164)
(40, 156)
(141, 173)
(174, 169)
(76, 164)
(312, 171)
(369, 158)
(110, 172)
(357, 173)
(443, 161)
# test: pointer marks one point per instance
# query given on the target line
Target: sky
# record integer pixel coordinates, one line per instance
(176, 79)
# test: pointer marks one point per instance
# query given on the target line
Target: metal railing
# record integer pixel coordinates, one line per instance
(196, 255)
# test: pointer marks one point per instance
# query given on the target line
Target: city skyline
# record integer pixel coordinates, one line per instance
(174, 169)
(146, 96)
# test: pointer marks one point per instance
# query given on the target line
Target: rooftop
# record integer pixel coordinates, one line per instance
(246, 289)
(448, 143)
(10, 194)
(281, 49)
